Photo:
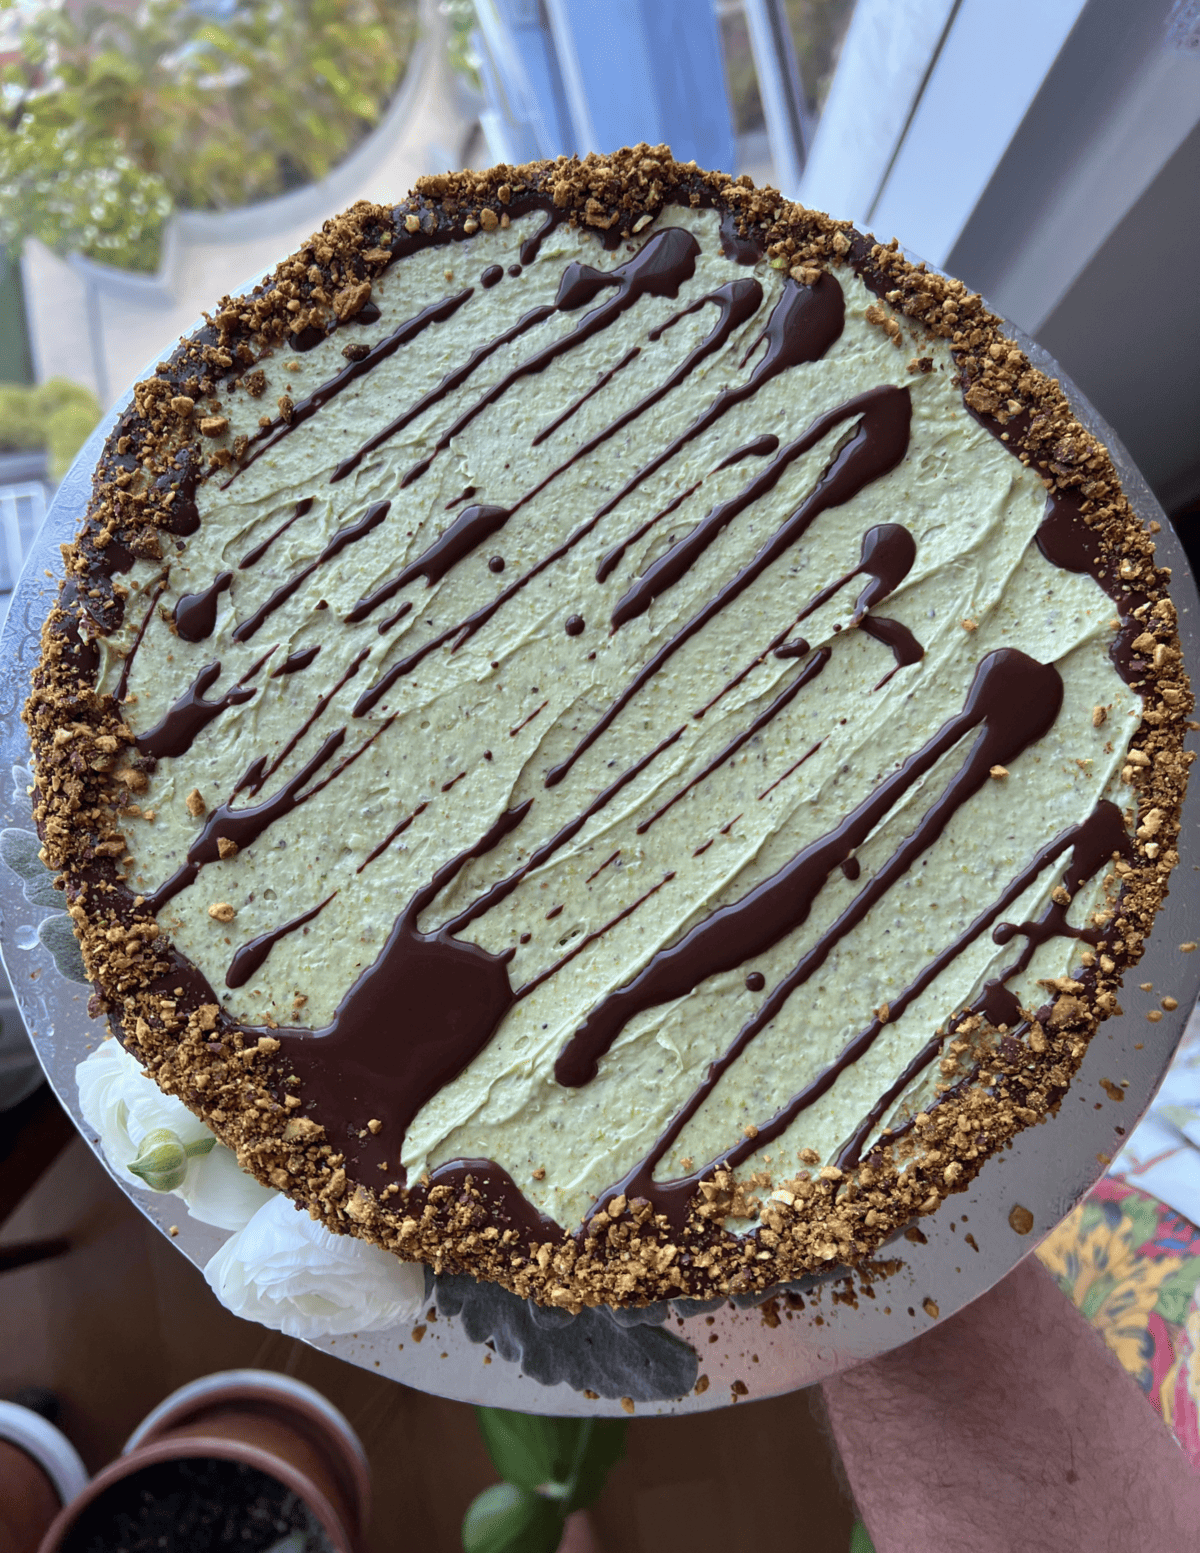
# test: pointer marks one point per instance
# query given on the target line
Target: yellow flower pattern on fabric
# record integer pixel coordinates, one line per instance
(1131, 1265)
(1097, 1266)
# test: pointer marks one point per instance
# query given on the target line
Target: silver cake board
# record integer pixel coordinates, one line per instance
(743, 1353)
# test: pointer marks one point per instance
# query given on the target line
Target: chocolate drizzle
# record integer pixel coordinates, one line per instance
(264, 768)
(250, 957)
(270, 436)
(1014, 698)
(252, 557)
(413, 1020)
(658, 269)
(761, 447)
(786, 696)
(742, 248)
(243, 826)
(81, 651)
(370, 520)
(123, 682)
(196, 613)
(590, 938)
(453, 380)
(505, 887)
(804, 323)
(877, 445)
(296, 661)
(473, 525)
(176, 732)
(601, 382)
(1093, 845)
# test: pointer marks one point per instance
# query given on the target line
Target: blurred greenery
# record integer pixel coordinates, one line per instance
(16, 360)
(111, 119)
(460, 24)
(58, 416)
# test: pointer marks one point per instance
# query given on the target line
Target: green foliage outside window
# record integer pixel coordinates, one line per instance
(58, 416)
(460, 24)
(111, 120)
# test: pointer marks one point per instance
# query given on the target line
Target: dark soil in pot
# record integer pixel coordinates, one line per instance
(196, 1505)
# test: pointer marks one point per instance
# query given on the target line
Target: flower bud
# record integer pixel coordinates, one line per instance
(162, 1160)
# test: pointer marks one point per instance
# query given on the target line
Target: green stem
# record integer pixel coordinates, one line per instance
(581, 1450)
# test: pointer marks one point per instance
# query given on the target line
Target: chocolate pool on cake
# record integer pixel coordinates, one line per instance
(609, 733)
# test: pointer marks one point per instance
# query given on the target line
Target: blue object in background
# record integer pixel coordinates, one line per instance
(572, 76)
(527, 115)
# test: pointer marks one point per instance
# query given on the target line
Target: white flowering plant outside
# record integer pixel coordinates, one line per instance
(278, 1267)
(112, 118)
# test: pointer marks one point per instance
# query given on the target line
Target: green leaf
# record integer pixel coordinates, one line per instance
(506, 1519)
(860, 1542)
(526, 1449)
(604, 1447)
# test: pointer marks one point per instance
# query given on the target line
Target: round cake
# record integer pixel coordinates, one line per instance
(607, 732)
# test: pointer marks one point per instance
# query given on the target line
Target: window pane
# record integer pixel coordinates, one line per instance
(817, 28)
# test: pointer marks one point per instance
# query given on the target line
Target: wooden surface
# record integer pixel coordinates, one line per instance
(122, 1319)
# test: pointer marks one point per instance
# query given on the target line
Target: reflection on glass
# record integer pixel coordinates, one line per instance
(740, 74)
(817, 28)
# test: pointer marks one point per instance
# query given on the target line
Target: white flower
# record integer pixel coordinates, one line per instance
(286, 1271)
(218, 1191)
(123, 1105)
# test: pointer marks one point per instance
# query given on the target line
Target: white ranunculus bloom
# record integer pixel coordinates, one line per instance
(123, 1106)
(286, 1271)
(218, 1191)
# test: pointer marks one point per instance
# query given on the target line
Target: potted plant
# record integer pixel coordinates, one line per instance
(114, 119)
(247, 1458)
(553, 1470)
(54, 419)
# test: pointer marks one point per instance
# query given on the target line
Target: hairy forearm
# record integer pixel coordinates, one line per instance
(1011, 1426)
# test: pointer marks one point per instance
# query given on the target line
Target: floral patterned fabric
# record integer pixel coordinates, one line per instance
(1129, 1256)
(1132, 1266)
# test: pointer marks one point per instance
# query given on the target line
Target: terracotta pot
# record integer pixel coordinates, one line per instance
(40, 1471)
(271, 1422)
